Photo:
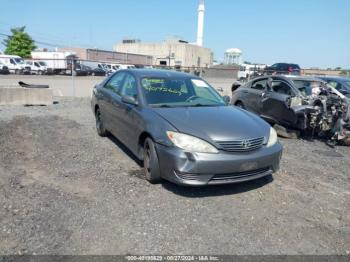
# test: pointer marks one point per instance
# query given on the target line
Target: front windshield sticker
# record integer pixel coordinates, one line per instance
(199, 83)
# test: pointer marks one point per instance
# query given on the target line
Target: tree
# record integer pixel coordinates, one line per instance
(20, 43)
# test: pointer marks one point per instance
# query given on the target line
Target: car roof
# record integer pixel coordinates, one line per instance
(341, 78)
(306, 78)
(290, 78)
(159, 73)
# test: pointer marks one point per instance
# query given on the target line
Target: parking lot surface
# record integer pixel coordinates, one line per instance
(64, 190)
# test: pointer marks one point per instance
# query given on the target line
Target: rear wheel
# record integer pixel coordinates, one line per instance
(101, 131)
(151, 162)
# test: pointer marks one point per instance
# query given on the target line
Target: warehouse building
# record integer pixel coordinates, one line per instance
(109, 56)
(173, 52)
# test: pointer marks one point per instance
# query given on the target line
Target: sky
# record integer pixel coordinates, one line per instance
(312, 33)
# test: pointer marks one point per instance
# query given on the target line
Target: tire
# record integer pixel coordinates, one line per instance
(101, 131)
(151, 162)
(240, 105)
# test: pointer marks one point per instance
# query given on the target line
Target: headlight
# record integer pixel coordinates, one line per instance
(272, 138)
(190, 143)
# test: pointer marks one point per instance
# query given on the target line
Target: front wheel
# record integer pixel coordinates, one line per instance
(101, 131)
(150, 162)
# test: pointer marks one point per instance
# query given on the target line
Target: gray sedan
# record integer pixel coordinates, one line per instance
(183, 130)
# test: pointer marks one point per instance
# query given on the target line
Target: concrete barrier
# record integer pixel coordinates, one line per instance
(25, 96)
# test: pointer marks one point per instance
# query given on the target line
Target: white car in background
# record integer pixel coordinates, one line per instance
(37, 67)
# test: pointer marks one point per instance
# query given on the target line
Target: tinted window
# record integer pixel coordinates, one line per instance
(115, 83)
(296, 67)
(129, 87)
(36, 64)
(259, 85)
(283, 67)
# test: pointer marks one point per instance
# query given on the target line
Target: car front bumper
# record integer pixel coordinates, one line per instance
(197, 169)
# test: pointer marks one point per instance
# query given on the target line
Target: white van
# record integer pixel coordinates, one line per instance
(127, 66)
(246, 71)
(15, 64)
(37, 67)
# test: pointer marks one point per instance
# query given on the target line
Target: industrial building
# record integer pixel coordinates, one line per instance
(109, 56)
(174, 52)
(170, 53)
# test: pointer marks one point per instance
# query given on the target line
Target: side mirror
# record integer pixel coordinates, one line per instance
(227, 100)
(130, 100)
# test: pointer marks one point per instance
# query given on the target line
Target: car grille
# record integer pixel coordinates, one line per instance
(240, 175)
(244, 145)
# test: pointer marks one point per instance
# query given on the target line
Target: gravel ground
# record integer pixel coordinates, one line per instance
(64, 190)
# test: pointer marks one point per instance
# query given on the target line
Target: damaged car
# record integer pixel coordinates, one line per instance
(298, 105)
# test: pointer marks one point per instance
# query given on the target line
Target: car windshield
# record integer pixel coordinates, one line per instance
(347, 84)
(42, 63)
(19, 61)
(305, 86)
(179, 92)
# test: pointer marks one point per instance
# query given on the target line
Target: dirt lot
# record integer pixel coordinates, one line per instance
(64, 190)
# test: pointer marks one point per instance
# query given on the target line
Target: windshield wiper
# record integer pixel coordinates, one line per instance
(163, 106)
(202, 105)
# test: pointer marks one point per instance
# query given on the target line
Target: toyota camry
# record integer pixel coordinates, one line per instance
(183, 130)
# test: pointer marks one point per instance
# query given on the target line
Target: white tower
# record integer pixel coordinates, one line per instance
(201, 10)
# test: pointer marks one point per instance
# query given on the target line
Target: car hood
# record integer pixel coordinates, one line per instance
(223, 123)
